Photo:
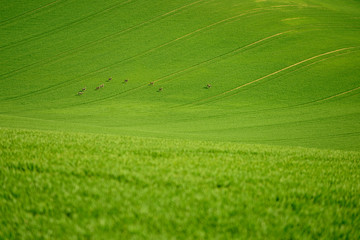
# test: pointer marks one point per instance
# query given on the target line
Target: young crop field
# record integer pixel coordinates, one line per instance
(281, 72)
(181, 119)
(79, 186)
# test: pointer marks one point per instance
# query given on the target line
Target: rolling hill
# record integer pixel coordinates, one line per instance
(182, 119)
(281, 72)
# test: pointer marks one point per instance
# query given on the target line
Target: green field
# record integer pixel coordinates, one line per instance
(71, 186)
(270, 150)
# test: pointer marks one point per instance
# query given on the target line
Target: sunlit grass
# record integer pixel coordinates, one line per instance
(57, 185)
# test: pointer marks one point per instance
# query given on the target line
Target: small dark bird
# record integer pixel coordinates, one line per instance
(126, 80)
(110, 79)
(151, 83)
(160, 89)
(80, 93)
(84, 89)
(208, 86)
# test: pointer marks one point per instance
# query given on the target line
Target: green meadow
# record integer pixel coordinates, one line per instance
(199, 119)
(84, 186)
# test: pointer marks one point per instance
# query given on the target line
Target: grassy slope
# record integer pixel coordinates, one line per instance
(51, 49)
(82, 186)
(283, 72)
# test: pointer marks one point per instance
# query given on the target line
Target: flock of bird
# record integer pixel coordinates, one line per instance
(125, 81)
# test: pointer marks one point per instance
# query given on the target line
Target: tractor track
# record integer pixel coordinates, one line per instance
(28, 13)
(192, 67)
(269, 75)
(43, 90)
(337, 95)
(285, 74)
(72, 51)
(63, 27)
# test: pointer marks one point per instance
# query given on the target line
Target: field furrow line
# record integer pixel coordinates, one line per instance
(338, 135)
(159, 79)
(190, 68)
(48, 88)
(64, 54)
(89, 44)
(180, 38)
(285, 74)
(337, 95)
(209, 61)
(138, 25)
(137, 55)
(60, 28)
(272, 74)
(111, 96)
(193, 67)
(188, 35)
(31, 12)
(256, 10)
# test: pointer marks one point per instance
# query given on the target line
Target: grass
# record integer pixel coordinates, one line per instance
(241, 159)
(298, 62)
(70, 186)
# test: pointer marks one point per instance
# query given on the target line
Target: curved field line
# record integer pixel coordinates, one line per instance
(220, 56)
(49, 88)
(175, 40)
(213, 59)
(339, 135)
(184, 70)
(9, 20)
(148, 51)
(140, 24)
(337, 95)
(190, 34)
(256, 10)
(271, 74)
(291, 122)
(296, 105)
(88, 44)
(190, 68)
(60, 28)
(159, 79)
(286, 74)
(48, 60)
